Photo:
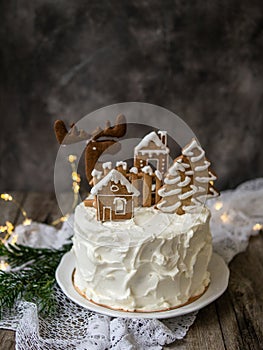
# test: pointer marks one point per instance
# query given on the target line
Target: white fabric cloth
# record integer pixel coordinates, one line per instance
(234, 215)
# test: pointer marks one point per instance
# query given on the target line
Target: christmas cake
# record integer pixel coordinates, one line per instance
(141, 239)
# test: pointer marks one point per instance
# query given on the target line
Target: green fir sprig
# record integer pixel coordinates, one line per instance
(34, 281)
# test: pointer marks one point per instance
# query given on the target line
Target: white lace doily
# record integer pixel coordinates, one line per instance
(236, 215)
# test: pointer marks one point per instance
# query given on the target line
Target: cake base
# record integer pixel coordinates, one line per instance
(189, 301)
(153, 262)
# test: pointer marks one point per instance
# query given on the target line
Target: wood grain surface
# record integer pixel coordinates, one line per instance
(234, 321)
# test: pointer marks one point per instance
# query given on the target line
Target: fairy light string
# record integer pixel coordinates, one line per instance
(8, 228)
(76, 179)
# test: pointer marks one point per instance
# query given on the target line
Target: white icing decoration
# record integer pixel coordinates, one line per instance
(163, 135)
(211, 189)
(116, 177)
(170, 208)
(203, 167)
(175, 168)
(107, 165)
(185, 165)
(188, 151)
(134, 170)
(118, 198)
(152, 151)
(96, 173)
(147, 170)
(114, 188)
(201, 189)
(164, 193)
(204, 179)
(151, 137)
(122, 164)
(172, 181)
(197, 158)
(186, 182)
(213, 193)
(189, 172)
(188, 193)
(158, 174)
(162, 132)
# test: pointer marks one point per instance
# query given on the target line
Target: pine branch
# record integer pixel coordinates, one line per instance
(18, 254)
(35, 281)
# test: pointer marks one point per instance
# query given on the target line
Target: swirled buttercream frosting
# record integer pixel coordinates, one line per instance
(152, 262)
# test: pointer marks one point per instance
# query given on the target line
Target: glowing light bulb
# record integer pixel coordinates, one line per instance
(4, 266)
(257, 227)
(75, 187)
(27, 222)
(64, 218)
(75, 176)
(6, 197)
(224, 217)
(72, 158)
(218, 205)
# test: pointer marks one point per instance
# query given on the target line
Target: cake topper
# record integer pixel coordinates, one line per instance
(114, 196)
(153, 150)
(188, 182)
(95, 145)
(118, 189)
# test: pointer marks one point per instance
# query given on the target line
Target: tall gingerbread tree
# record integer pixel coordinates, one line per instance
(188, 182)
(203, 177)
(177, 189)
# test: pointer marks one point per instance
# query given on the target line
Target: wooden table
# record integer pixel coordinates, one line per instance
(234, 321)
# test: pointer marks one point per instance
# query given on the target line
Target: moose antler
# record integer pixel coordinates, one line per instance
(95, 147)
(67, 137)
(74, 135)
(118, 130)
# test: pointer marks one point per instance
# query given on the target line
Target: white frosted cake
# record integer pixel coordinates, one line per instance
(141, 239)
(154, 261)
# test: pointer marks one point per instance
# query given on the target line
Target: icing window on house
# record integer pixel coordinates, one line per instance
(120, 205)
(114, 188)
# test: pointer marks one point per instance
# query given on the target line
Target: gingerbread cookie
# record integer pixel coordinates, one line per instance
(114, 196)
(67, 137)
(188, 181)
(153, 151)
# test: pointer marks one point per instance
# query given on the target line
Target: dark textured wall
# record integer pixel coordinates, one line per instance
(63, 59)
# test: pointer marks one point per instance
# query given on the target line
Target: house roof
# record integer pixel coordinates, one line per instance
(151, 137)
(115, 176)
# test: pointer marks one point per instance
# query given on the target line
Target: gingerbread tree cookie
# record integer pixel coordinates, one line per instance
(203, 177)
(177, 189)
(188, 183)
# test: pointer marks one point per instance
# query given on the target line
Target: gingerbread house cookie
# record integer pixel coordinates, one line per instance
(153, 151)
(114, 196)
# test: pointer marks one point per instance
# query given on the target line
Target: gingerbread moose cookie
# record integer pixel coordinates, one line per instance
(95, 145)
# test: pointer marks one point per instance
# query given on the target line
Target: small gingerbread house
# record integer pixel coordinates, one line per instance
(114, 196)
(153, 151)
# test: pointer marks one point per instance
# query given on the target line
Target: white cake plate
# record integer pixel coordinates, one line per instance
(219, 274)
